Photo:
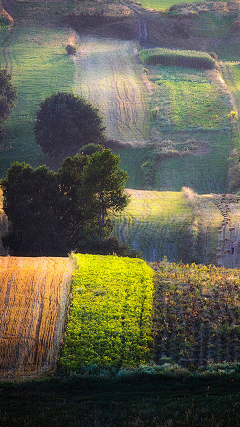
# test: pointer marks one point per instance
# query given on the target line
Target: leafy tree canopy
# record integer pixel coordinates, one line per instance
(66, 122)
(102, 191)
(8, 95)
(32, 203)
(54, 213)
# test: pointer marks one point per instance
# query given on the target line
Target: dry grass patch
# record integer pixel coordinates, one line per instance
(33, 301)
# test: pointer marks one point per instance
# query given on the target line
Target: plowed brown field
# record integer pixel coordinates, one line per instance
(34, 295)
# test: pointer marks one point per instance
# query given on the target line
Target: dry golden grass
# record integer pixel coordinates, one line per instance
(3, 224)
(34, 294)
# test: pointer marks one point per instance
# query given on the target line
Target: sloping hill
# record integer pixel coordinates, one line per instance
(180, 225)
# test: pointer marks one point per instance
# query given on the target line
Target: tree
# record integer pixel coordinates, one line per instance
(32, 202)
(69, 178)
(8, 95)
(66, 122)
(53, 213)
(101, 191)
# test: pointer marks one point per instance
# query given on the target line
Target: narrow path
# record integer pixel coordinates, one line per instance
(235, 101)
(228, 231)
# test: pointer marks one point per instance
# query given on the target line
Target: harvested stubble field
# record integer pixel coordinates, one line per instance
(109, 76)
(33, 301)
(196, 314)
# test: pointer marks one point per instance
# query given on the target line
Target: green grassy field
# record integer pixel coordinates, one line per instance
(191, 129)
(36, 57)
(141, 401)
(159, 224)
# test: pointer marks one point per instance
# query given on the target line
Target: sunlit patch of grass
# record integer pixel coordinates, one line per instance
(161, 4)
(165, 223)
(40, 66)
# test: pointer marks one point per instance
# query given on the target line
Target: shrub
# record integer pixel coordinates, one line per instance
(178, 58)
(71, 50)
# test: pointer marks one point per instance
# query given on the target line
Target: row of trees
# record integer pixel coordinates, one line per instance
(54, 213)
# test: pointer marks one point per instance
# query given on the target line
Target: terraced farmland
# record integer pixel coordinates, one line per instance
(33, 301)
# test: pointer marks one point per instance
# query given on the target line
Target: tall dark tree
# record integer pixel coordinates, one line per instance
(32, 204)
(102, 191)
(8, 95)
(69, 176)
(66, 122)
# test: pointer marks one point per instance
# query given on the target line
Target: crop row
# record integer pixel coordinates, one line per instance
(111, 314)
(177, 58)
(197, 314)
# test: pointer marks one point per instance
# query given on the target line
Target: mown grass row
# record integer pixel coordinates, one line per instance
(111, 312)
(177, 58)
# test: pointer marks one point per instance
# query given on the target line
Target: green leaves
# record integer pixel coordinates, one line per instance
(110, 319)
(66, 122)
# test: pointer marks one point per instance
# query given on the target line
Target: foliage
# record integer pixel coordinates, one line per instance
(69, 178)
(8, 95)
(32, 205)
(101, 191)
(110, 318)
(107, 246)
(196, 314)
(89, 149)
(54, 213)
(71, 50)
(66, 122)
(177, 58)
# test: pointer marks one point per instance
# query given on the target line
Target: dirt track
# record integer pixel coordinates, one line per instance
(109, 76)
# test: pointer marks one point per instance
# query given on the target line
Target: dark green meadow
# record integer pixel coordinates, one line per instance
(145, 401)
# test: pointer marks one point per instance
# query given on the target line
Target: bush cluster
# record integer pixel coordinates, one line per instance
(177, 58)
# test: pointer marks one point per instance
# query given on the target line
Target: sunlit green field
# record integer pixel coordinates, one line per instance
(192, 118)
(37, 59)
(111, 313)
(166, 223)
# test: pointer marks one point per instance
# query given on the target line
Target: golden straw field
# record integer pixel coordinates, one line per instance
(34, 294)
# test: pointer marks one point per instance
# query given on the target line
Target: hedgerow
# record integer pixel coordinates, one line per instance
(111, 313)
(177, 58)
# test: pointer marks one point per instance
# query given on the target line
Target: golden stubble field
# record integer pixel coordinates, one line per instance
(34, 296)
